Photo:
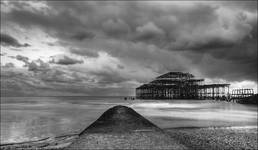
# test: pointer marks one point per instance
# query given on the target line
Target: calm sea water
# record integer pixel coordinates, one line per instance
(32, 118)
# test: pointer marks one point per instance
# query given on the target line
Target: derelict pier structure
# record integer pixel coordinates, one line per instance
(241, 93)
(178, 85)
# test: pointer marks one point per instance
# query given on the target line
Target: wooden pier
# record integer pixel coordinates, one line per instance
(214, 91)
(241, 93)
(178, 85)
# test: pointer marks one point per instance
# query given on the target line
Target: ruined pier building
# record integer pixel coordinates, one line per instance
(178, 85)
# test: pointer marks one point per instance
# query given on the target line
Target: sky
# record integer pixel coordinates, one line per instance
(108, 48)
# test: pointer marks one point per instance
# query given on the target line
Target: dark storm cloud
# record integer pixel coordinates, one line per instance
(213, 44)
(116, 27)
(34, 65)
(109, 77)
(83, 35)
(38, 66)
(8, 40)
(157, 35)
(120, 67)
(84, 52)
(229, 70)
(149, 33)
(65, 60)
(61, 24)
(22, 58)
(9, 65)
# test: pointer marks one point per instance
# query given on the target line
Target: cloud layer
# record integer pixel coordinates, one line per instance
(65, 60)
(8, 40)
(122, 44)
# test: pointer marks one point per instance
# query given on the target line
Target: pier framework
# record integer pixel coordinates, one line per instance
(178, 85)
(241, 93)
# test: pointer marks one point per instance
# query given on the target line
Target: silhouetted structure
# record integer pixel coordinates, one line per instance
(178, 85)
(241, 93)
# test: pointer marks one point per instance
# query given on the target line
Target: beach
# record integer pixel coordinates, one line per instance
(188, 138)
(193, 124)
(219, 138)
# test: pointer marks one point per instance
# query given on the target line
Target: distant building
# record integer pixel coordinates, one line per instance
(178, 85)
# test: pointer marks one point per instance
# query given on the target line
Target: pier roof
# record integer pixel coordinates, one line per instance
(176, 75)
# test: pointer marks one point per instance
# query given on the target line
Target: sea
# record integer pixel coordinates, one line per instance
(34, 118)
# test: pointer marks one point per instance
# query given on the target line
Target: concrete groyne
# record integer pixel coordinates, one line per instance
(121, 127)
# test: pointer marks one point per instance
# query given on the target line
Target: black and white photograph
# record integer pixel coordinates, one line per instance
(129, 74)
